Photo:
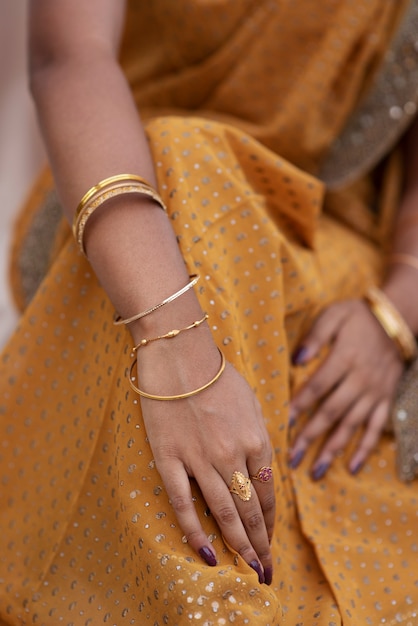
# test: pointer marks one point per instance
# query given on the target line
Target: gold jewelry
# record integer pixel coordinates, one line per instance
(405, 259)
(392, 323)
(241, 486)
(193, 280)
(106, 190)
(171, 333)
(106, 182)
(264, 474)
(181, 395)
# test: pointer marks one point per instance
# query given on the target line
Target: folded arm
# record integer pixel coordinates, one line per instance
(93, 131)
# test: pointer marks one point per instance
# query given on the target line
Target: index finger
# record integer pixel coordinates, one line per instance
(177, 485)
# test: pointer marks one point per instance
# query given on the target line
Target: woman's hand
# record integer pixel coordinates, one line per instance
(353, 388)
(208, 437)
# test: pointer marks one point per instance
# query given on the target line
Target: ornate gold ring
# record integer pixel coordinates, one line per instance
(241, 486)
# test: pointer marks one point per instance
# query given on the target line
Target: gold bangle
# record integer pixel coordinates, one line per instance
(180, 396)
(118, 320)
(106, 190)
(170, 334)
(405, 259)
(392, 323)
(119, 178)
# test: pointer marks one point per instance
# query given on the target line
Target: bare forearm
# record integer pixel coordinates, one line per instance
(89, 122)
(92, 131)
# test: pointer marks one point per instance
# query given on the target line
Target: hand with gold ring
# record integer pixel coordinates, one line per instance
(241, 486)
(226, 444)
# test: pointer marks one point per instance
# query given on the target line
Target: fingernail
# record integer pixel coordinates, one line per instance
(268, 575)
(292, 418)
(208, 556)
(296, 460)
(356, 468)
(320, 471)
(299, 355)
(257, 567)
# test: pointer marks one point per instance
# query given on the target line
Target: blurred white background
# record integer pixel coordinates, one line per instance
(21, 151)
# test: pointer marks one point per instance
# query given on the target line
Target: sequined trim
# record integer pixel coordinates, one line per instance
(405, 424)
(383, 115)
(35, 253)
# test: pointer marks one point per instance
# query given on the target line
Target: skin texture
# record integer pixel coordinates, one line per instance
(130, 245)
(355, 386)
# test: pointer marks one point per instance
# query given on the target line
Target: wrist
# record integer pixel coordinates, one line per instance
(179, 364)
(401, 287)
(392, 322)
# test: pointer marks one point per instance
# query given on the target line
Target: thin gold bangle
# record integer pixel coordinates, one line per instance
(118, 320)
(392, 323)
(405, 259)
(180, 396)
(170, 334)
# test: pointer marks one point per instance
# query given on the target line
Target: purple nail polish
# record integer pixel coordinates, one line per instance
(268, 575)
(296, 460)
(292, 418)
(320, 471)
(257, 567)
(299, 355)
(355, 470)
(208, 556)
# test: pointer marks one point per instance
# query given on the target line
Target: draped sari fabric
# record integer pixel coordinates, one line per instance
(241, 102)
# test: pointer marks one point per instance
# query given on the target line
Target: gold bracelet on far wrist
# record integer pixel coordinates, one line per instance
(392, 323)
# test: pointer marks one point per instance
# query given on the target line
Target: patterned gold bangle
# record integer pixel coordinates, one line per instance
(404, 259)
(170, 334)
(180, 396)
(193, 280)
(392, 323)
(106, 190)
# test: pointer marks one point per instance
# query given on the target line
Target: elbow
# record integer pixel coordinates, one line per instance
(41, 62)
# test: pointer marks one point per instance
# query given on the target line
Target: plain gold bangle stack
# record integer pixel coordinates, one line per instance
(392, 323)
(94, 198)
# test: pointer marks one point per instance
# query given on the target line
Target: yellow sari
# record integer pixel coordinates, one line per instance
(242, 101)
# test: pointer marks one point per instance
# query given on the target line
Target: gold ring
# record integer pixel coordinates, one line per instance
(241, 486)
(264, 474)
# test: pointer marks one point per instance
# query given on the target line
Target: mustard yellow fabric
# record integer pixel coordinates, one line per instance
(251, 94)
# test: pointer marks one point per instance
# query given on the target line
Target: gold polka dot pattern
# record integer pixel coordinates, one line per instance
(88, 536)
